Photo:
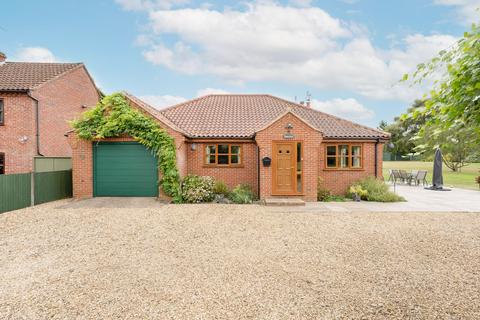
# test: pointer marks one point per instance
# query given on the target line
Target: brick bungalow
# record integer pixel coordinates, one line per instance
(36, 102)
(278, 147)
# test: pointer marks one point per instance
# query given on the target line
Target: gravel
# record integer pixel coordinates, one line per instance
(237, 262)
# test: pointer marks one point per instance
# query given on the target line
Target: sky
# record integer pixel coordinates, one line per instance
(349, 55)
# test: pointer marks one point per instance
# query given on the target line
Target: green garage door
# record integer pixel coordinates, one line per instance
(124, 169)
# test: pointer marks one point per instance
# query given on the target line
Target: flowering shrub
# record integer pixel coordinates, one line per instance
(371, 189)
(242, 193)
(221, 188)
(196, 189)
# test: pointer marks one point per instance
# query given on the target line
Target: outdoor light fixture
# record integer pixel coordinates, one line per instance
(193, 146)
(289, 126)
(23, 139)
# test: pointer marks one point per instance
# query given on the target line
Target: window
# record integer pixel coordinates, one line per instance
(223, 155)
(2, 163)
(2, 113)
(343, 156)
(299, 167)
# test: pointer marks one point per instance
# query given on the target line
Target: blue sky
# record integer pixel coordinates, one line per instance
(349, 54)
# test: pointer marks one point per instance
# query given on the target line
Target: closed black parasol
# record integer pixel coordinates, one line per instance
(437, 179)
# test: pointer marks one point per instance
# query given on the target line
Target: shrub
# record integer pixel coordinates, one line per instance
(323, 194)
(334, 198)
(242, 193)
(376, 190)
(196, 189)
(358, 190)
(221, 188)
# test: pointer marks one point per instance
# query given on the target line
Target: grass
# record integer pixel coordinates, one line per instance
(464, 179)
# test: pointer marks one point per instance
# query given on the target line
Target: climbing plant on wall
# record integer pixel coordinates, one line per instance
(113, 117)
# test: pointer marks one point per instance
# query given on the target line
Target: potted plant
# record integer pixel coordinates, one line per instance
(357, 192)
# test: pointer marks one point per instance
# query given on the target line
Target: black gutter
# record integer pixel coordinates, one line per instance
(376, 157)
(37, 122)
(258, 171)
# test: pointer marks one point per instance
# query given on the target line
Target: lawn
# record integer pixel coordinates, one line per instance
(464, 179)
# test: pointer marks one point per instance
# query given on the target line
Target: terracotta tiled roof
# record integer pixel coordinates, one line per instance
(22, 76)
(152, 111)
(242, 115)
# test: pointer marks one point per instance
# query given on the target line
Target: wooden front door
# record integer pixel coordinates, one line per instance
(284, 168)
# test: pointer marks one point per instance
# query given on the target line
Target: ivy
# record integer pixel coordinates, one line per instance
(113, 117)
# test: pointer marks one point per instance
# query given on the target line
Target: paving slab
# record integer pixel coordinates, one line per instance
(418, 200)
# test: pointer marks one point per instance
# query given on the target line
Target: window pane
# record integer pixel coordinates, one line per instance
(235, 149)
(210, 159)
(356, 162)
(343, 150)
(223, 148)
(211, 149)
(2, 164)
(299, 183)
(356, 150)
(1, 112)
(331, 150)
(344, 162)
(223, 159)
(331, 162)
(235, 159)
(299, 156)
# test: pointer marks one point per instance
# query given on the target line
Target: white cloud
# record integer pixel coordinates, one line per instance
(268, 41)
(35, 54)
(301, 3)
(206, 91)
(141, 5)
(161, 102)
(349, 108)
(467, 10)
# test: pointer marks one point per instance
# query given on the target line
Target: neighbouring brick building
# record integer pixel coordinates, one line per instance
(36, 102)
(278, 147)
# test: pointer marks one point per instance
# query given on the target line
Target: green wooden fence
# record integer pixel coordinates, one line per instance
(50, 186)
(16, 190)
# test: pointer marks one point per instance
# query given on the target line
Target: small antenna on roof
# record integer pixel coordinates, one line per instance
(308, 98)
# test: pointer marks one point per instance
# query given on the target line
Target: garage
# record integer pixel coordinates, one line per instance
(124, 169)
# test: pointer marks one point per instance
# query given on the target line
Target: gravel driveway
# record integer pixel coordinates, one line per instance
(237, 262)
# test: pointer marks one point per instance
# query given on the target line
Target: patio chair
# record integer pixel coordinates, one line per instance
(390, 175)
(421, 177)
(404, 176)
(396, 175)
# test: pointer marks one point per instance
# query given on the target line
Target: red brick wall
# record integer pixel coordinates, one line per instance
(311, 139)
(82, 159)
(338, 181)
(82, 167)
(232, 176)
(60, 101)
(19, 122)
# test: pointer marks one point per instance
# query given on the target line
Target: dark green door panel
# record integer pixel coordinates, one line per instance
(124, 169)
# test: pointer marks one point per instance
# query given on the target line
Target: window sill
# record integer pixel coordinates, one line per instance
(216, 166)
(344, 169)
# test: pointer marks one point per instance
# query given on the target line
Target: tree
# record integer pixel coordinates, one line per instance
(404, 129)
(457, 147)
(452, 110)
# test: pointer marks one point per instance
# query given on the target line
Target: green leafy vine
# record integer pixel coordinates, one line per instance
(113, 117)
